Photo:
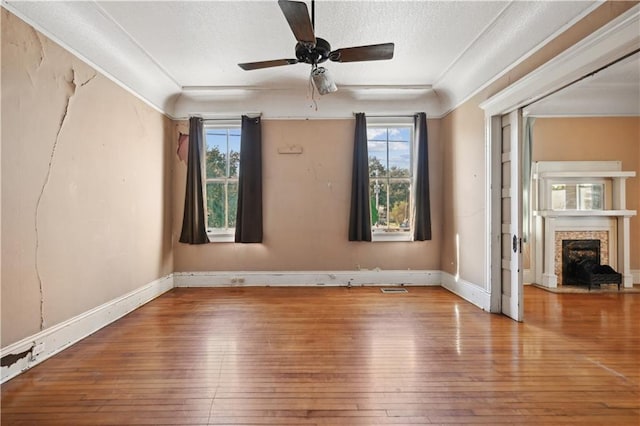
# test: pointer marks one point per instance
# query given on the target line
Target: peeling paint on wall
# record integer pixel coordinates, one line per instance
(9, 360)
(183, 147)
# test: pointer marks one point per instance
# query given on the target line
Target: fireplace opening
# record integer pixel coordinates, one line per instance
(575, 252)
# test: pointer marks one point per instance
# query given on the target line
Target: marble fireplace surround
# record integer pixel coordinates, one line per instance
(602, 236)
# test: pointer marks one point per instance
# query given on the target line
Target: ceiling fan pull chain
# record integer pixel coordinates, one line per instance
(312, 91)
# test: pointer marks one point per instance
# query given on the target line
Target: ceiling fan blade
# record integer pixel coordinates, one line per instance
(267, 64)
(374, 52)
(297, 16)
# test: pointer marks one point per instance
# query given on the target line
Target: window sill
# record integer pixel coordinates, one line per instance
(391, 236)
(221, 238)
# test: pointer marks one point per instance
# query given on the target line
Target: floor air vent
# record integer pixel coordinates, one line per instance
(394, 290)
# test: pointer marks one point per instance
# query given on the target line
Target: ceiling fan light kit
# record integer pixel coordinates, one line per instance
(314, 50)
(323, 81)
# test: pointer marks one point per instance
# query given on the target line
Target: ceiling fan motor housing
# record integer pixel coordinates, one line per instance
(315, 55)
(314, 50)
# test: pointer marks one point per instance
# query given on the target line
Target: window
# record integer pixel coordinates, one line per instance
(580, 196)
(222, 147)
(390, 176)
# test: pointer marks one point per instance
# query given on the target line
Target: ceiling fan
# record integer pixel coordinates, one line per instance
(315, 50)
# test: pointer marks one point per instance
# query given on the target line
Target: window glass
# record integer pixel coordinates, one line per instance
(216, 141)
(400, 205)
(222, 166)
(399, 151)
(378, 193)
(234, 152)
(390, 171)
(377, 150)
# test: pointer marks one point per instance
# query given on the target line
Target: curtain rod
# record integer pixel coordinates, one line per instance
(388, 115)
(227, 118)
(221, 119)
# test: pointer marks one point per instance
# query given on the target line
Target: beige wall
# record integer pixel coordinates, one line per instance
(595, 139)
(463, 141)
(463, 199)
(86, 179)
(306, 208)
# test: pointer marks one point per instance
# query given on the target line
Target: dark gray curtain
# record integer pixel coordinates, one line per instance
(194, 227)
(422, 217)
(249, 214)
(360, 216)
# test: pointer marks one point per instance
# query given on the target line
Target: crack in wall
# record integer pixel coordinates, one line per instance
(41, 47)
(72, 86)
(88, 80)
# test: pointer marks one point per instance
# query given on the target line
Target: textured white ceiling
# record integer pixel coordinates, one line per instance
(614, 91)
(158, 48)
(211, 38)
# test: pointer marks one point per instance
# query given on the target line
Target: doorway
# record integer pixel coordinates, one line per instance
(615, 40)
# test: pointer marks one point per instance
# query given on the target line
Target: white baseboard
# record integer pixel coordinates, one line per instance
(528, 276)
(306, 278)
(44, 344)
(470, 292)
(635, 273)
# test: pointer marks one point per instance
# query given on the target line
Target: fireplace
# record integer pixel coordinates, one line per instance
(560, 214)
(574, 252)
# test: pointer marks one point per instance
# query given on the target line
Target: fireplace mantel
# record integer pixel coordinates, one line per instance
(612, 219)
(584, 213)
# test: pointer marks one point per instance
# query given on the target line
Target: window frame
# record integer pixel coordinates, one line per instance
(221, 235)
(395, 122)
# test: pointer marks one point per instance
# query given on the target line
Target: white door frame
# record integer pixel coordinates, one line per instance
(612, 41)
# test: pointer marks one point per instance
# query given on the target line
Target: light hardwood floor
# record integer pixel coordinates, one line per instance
(338, 356)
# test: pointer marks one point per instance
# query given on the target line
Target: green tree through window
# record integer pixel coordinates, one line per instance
(222, 146)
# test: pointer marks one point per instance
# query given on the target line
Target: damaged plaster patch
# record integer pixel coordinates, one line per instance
(183, 147)
(30, 48)
(72, 86)
(9, 360)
